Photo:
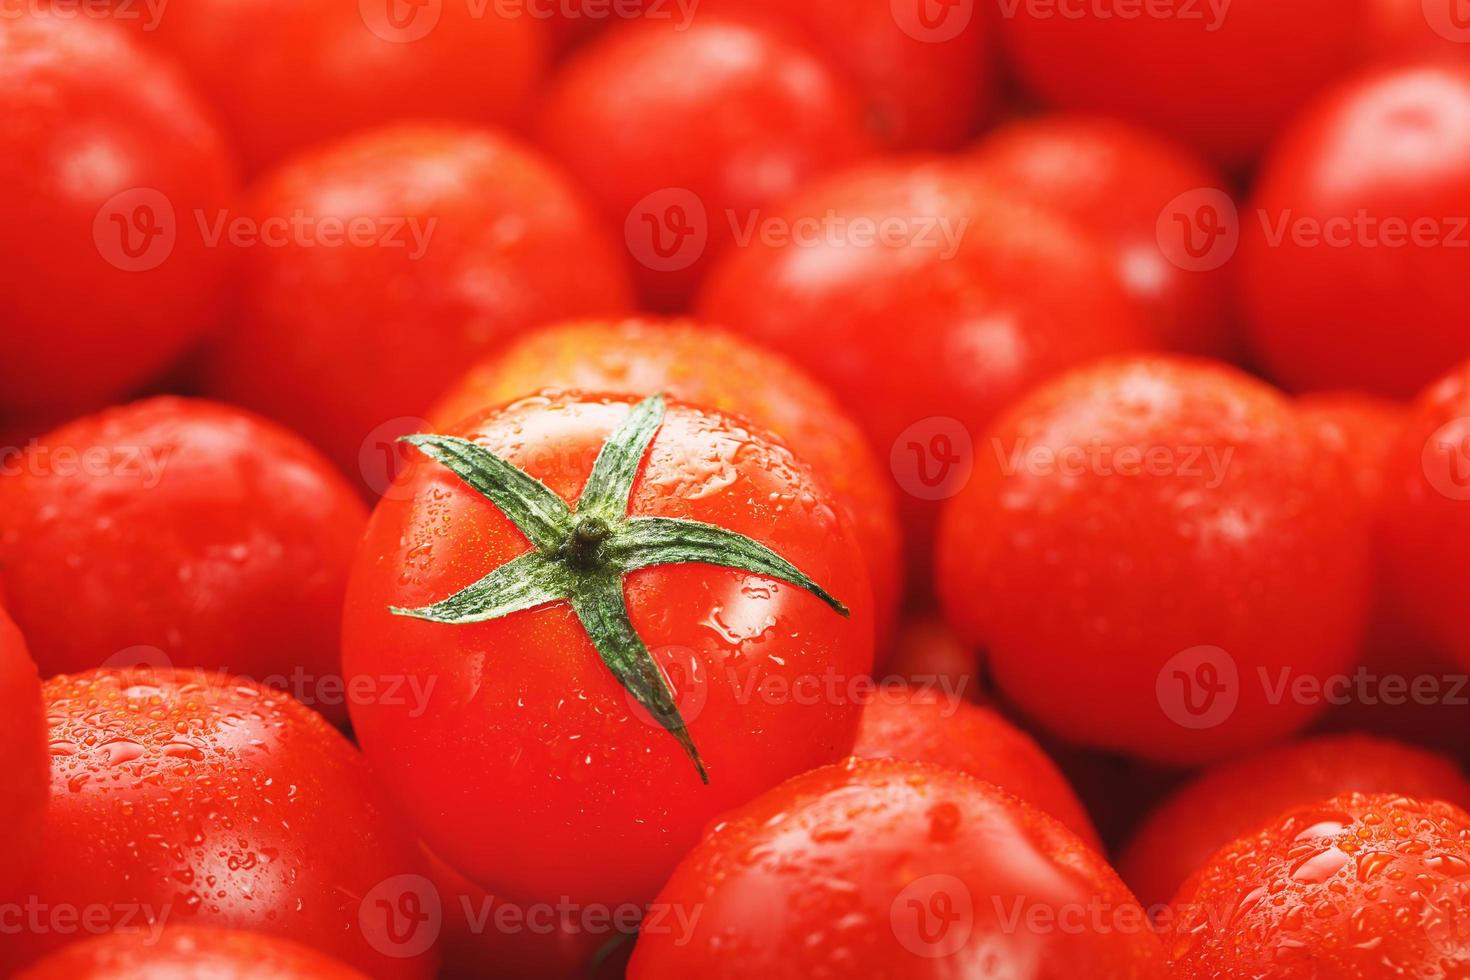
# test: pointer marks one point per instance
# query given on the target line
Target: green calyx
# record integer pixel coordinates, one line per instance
(581, 556)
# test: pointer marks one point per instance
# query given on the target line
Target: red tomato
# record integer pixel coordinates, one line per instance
(706, 366)
(184, 797)
(892, 869)
(289, 74)
(1222, 75)
(1426, 515)
(1238, 797)
(1357, 887)
(22, 746)
(924, 725)
(1150, 547)
(106, 161)
(189, 953)
(467, 239)
(927, 651)
(1119, 183)
(534, 772)
(1417, 28)
(924, 70)
(929, 303)
(683, 136)
(182, 532)
(1352, 258)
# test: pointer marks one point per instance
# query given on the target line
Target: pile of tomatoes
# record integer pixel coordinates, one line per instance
(735, 488)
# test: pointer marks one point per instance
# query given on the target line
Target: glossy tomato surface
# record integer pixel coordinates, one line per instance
(684, 136)
(532, 771)
(927, 724)
(107, 157)
(289, 74)
(186, 798)
(464, 238)
(183, 952)
(183, 532)
(1353, 888)
(902, 870)
(706, 366)
(23, 747)
(928, 302)
(1222, 76)
(1426, 515)
(1356, 236)
(1243, 795)
(1154, 548)
(1122, 183)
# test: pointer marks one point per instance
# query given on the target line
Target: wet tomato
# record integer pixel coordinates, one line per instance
(1351, 258)
(1239, 797)
(685, 136)
(1153, 547)
(1353, 888)
(706, 366)
(107, 160)
(607, 678)
(189, 953)
(185, 797)
(183, 532)
(462, 239)
(903, 870)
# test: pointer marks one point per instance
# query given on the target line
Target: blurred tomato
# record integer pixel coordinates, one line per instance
(926, 651)
(26, 765)
(185, 952)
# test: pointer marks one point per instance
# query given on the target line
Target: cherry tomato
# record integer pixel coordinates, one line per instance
(1238, 797)
(927, 651)
(563, 751)
(177, 531)
(465, 238)
(1413, 29)
(184, 797)
(927, 303)
(1426, 515)
(897, 870)
(1222, 75)
(924, 725)
(684, 136)
(1119, 182)
(1352, 888)
(288, 74)
(1355, 242)
(189, 953)
(1150, 547)
(107, 159)
(706, 366)
(22, 746)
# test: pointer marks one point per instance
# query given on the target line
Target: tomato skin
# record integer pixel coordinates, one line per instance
(287, 74)
(220, 803)
(1411, 30)
(921, 329)
(1323, 304)
(1334, 890)
(23, 747)
(834, 852)
(921, 725)
(1146, 509)
(1426, 519)
(1224, 84)
(99, 132)
(707, 366)
(926, 651)
(735, 112)
(531, 772)
(212, 536)
(1114, 180)
(1238, 797)
(345, 344)
(187, 953)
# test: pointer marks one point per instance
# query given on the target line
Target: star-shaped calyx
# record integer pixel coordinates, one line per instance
(580, 556)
